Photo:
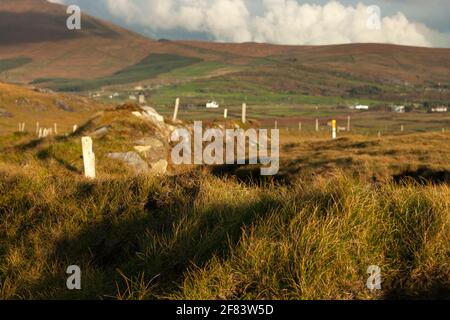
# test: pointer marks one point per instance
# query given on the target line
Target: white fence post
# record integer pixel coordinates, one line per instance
(349, 119)
(244, 112)
(225, 113)
(175, 112)
(88, 157)
(75, 128)
(55, 128)
(317, 125)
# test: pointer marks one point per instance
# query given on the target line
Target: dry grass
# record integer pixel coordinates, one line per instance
(205, 235)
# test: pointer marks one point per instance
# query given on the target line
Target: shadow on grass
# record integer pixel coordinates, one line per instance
(436, 291)
(163, 240)
(45, 154)
(424, 176)
(29, 145)
(249, 175)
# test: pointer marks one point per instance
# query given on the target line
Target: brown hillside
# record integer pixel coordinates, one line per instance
(22, 104)
(36, 29)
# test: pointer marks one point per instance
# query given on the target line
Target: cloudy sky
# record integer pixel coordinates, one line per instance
(313, 22)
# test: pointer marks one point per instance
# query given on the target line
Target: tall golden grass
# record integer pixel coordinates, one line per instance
(205, 234)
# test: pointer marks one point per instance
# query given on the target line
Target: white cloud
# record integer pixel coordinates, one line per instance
(279, 21)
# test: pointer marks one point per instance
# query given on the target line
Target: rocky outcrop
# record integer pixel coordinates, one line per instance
(5, 114)
(102, 131)
(131, 159)
(149, 114)
(150, 153)
(64, 106)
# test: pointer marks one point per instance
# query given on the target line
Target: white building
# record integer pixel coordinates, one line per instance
(141, 98)
(399, 109)
(212, 105)
(439, 109)
(361, 107)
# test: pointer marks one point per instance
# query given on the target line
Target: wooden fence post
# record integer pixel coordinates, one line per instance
(175, 112)
(88, 157)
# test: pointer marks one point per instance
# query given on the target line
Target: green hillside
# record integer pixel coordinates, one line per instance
(150, 67)
(9, 64)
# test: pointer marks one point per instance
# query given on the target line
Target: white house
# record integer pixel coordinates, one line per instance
(439, 109)
(141, 98)
(361, 107)
(399, 109)
(212, 105)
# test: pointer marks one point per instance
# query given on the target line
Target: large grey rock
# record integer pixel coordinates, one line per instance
(150, 114)
(152, 149)
(64, 106)
(102, 131)
(150, 141)
(43, 90)
(132, 159)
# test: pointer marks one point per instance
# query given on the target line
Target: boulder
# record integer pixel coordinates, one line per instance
(101, 131)
(151, 114)
(142, 149)
(64, 106)
(150, 141)
(151, 149)
(131, 159)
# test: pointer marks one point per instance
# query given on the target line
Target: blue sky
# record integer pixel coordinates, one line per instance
(410, 22)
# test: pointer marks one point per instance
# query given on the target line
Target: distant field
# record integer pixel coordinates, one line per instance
(150, 67)
(232, 92)
(289, 115)
(197, 70)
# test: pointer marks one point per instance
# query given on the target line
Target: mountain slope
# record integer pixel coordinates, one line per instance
(35, 44)
(36, 29)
